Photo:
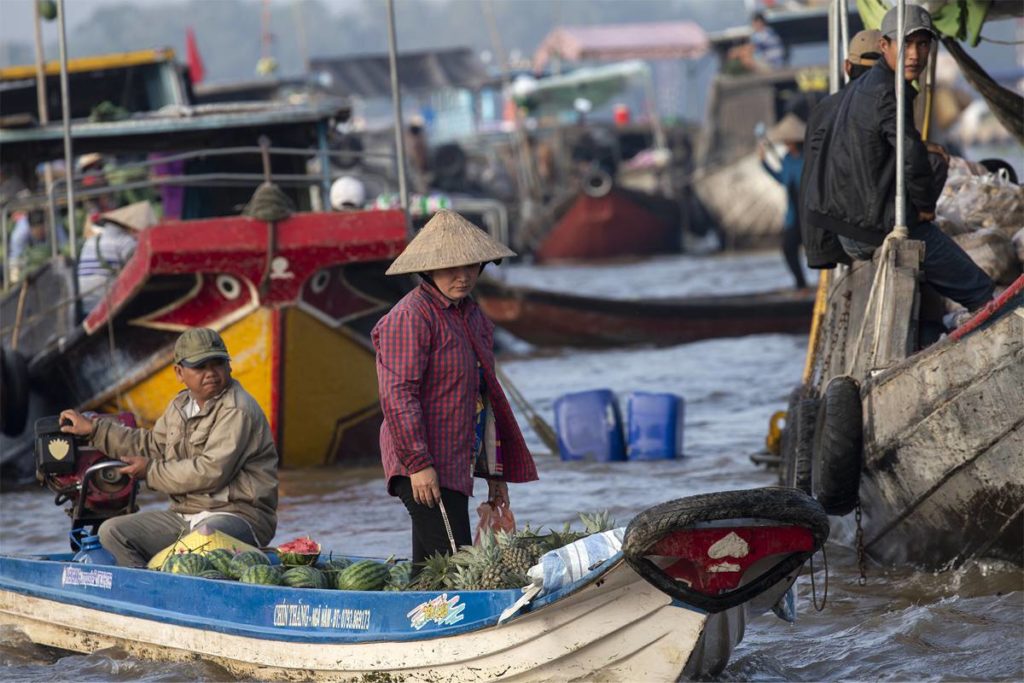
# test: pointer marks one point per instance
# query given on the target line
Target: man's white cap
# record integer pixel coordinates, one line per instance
(347, 193)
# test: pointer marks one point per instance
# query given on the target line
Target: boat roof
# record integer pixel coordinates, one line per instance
(368, 75)
(116, 60)
(795, 27)
(615, 42)
(169, 128)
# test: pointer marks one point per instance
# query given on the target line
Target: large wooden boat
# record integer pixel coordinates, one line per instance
(294, 295)
(548, 318)
(623, 617)
(928, 441)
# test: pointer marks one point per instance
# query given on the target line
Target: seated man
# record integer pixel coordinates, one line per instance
(852, 187)
(211, 451)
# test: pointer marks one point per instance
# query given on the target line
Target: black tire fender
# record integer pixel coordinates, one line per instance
(839, 446)
(804, 423)
(777, 504)
(15, 389)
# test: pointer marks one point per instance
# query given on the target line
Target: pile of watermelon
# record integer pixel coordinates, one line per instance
(298, 569)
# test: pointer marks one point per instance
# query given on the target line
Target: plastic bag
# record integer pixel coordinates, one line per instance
(494, 516)
(568, 564)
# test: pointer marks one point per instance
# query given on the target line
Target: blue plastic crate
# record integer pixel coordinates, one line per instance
(589, 426)
(654, 426)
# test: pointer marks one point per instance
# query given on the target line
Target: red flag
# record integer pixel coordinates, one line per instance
(195, 62)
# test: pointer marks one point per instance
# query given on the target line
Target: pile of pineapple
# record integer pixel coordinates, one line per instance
(500, 560)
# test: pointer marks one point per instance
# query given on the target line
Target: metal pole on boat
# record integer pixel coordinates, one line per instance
(835, 69)
(901, 209)
(844, 32)
(396, 99)
(65, 102)
(44, 120)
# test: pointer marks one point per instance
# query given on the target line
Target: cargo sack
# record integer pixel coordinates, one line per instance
(202, 540)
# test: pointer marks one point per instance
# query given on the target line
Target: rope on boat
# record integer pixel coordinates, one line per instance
(269, 203)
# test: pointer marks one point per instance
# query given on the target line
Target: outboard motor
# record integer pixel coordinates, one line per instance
(82, 476)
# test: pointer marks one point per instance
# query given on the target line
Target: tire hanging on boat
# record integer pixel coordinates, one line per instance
(783, 505)
(804, 423)
(787, 442)
(14, 389)
(839, 446)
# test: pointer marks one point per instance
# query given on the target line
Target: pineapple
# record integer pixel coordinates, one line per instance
(557, 539)
(481, 568)
(518, 552)
(597, 522)
(437, 573)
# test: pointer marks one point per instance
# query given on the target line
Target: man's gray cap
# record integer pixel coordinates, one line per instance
(915, 19)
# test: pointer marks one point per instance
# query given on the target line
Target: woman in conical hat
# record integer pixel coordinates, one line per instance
(790, 132)
(446, 418)
(111, 242)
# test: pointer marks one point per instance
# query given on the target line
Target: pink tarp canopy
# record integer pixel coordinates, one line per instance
(612, 42)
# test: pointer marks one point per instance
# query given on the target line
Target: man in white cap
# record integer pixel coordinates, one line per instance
(104, 253)
(347, 194)
(852, 192)
(446, 418)
(211, 452)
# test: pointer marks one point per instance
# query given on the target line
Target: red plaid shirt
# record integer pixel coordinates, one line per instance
(428, 377)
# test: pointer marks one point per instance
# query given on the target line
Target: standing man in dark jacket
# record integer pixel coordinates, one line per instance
(851, 190)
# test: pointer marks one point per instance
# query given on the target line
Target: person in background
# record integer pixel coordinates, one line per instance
(419, 153)
(852, 189)
(446, 418)
(30, 243)
(821, 247)
(790, 132)
(347, 194)
(112, 241)
(211, 452)
(761, 53)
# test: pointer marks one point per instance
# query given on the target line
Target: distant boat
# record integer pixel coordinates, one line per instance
(549, 318)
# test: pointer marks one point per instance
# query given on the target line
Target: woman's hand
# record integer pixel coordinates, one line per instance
(497, 492)
(425, 488)
(80, 424)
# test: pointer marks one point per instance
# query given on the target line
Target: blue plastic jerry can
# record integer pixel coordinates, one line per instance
(589, 427)
(90, 551)
(654, 426)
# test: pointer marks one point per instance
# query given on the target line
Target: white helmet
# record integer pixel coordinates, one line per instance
(347, 193)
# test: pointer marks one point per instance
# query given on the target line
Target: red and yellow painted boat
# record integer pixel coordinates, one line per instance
(294, 300)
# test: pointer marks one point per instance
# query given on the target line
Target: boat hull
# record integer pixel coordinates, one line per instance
(618, 627)
(556, 319)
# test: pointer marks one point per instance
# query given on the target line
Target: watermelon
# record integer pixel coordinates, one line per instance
(364, 575)
(262, 574)
(244, 560)
(400, 576)
(213, 574)
(304, 576)
(301, 551)
(168, 564)
(191, 564)
(220, 559)
(335, 564)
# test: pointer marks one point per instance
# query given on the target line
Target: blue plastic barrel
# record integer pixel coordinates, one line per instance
(91, 552)
(654, 426)
(589, 426)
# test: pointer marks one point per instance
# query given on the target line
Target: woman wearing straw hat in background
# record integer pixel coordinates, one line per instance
(111, 242)
(790, 132)
(446, 418)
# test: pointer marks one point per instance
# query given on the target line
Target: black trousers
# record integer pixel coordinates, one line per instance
(428, 532)
(791, 241)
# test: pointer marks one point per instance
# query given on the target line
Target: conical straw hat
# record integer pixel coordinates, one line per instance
(137, 216)
(446, 241)
(789, 129)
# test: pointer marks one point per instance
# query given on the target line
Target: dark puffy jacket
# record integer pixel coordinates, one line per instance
(821, 247)
(851, 190)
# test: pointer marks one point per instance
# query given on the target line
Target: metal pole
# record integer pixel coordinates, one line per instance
(65, 102)
(44, 120)
(396, 98)
(844, 32)
(835, 71)
(325, 166)
(901, 208)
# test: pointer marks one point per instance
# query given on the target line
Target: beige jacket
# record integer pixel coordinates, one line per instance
(223, 459)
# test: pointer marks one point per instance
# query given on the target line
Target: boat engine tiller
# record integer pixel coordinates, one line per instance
(83, 476)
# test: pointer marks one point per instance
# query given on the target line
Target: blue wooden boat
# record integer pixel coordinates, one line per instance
(673, 602)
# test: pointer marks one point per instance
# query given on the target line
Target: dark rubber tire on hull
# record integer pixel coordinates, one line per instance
(14, 389)
(804, 423)
(839, 446)
(777, 504)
